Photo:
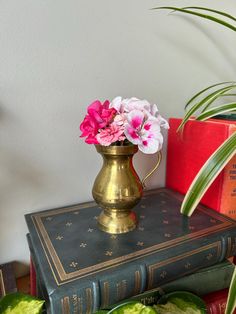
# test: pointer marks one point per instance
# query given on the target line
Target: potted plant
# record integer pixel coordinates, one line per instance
(202, 106)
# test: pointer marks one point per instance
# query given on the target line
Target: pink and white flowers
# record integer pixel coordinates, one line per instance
(124, 121)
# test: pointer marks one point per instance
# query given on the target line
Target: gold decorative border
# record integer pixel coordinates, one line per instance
(105, 294)
(62, 277)
(89, 300)
(2, 284)
(174, 259)
(65, 305)
(137, 282)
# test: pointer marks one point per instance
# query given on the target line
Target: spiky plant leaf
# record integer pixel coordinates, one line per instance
(204, 102)
(214, 11)
(231, 300)
(207, 174)
(206, 89)
(204, 16)
(231, 107)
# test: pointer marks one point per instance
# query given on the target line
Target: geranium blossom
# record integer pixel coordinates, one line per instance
(144, 131)
(111, 134)
(99, 116)
(122, 120)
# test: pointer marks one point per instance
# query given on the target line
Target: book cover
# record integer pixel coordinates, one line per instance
(7, 279)
(84, 269)
(187, 153)
(202, 282)
(216, 302)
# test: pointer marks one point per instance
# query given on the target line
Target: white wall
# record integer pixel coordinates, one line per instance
(58, 56)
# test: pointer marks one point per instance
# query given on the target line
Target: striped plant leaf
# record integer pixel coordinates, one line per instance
(207, 174)
(206, 89)
(231, 107)
(204, 16)
(231, 301)
(214, 11)
(205, 101)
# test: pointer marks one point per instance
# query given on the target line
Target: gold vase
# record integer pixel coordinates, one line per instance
(117, 188)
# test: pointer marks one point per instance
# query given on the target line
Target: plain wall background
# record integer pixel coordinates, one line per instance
(56, 57)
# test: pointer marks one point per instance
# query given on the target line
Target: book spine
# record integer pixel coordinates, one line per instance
(203, 282)
(88, 295)
(228, 196)
(33, 290)
(181, 171)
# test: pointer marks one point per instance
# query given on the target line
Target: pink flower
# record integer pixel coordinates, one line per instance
(89, 128)
(110, 135)
(99, 116)
(101, 113)
(144, 130)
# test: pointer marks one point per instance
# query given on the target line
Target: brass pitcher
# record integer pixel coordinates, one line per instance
(117, 188)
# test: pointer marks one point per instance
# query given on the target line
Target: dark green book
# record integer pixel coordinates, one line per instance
(202, 282)
(7, 279)
(83, 269)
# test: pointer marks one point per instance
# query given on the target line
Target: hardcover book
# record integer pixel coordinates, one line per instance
(83, 269)
(7, 279)
(202, 282)
(186, 154)
(216, 302)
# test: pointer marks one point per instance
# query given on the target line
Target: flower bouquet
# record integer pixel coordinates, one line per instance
(118, 129)
(124, 122)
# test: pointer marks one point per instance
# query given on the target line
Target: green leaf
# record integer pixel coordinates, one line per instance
(207, 174)
(205, 101)
(205, 16)
(213, 10)
(204, 90)
(231, 301)
(217, 110)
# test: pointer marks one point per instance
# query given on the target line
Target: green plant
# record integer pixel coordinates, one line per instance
(201, 106)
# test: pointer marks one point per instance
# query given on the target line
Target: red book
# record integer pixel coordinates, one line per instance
(216, 302)
(187, 153)
(33, 288)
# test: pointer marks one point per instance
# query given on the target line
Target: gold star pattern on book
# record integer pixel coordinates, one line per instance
(68, 224)
(73, 264)
(108, 253)
(90, 230)
(187, 265)
(113, 236)
(167, 235)
(163, 274)
(76, 213)
(141, 228)
(209, 256)
(139, 243)
(83, 244)
(49, 218)
(59, 237)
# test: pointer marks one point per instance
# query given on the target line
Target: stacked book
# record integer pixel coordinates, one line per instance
(80, 269)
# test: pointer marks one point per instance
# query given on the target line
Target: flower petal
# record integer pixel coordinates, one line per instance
(151, 145)
(132, 135)
(135, 118)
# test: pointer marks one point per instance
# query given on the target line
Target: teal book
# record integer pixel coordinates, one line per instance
(83, 269)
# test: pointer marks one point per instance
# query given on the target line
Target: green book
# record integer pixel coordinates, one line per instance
(204, 281)
(83, 269)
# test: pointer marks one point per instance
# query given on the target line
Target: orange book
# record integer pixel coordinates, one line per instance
(186, 154)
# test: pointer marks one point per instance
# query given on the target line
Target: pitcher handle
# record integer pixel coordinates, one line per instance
(159, 157)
